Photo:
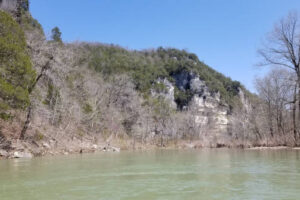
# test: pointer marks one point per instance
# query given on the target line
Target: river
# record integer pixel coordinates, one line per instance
(155, 175)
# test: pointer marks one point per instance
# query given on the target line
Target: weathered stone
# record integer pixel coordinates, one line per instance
(8, 5)
(190, 146)
(198, 87)
(115, 149)
(168, 94)
(183, 79)
(3, 153)
(18, 154)
(109, 148)
(46, 145)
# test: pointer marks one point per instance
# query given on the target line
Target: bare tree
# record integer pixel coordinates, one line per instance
(282, 47)
(162, 116)
(276, 89)
(263, 87)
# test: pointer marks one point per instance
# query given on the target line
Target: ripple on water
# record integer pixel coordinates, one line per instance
(202, 174)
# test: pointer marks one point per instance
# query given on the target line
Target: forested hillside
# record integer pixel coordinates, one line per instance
(72, 97)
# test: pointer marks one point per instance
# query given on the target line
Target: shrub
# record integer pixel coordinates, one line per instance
(53, 95)
(182, 98)
(87, 108)
(28, 23)
(38, 136)
(6, 116)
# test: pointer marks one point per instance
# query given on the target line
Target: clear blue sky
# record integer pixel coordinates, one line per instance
(225, 34)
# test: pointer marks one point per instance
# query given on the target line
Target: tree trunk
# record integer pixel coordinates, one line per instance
(270, 120)
(295, 98)
(43, 70)
(26, 124)
(278, 120)
(298, 97)
(281, 124)
(161, 139)
(294, 114)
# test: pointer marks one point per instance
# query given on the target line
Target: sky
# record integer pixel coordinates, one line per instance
(225, 34)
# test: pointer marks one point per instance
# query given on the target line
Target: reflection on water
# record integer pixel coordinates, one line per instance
(202, 174)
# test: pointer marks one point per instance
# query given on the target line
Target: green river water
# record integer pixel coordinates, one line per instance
(168, 174)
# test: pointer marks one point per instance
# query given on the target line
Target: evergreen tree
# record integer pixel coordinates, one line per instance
(16, 73)
(56, 35)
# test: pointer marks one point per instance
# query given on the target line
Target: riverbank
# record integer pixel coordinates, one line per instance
(25, 149)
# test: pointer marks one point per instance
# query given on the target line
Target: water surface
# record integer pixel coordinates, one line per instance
(173, 175)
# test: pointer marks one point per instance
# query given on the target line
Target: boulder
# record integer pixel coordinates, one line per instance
(18, 154)
(115, 149)
(109, 148)
(189, 145)
(3, 153)
(46, 145)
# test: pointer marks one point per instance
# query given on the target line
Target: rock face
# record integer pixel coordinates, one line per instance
(8, 5)
(183, 80)
(167, 93)
(208, 109)
(210, 114)
(198, 87)
(13, 5)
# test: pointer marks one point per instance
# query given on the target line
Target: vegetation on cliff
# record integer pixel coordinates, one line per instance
(146, 67)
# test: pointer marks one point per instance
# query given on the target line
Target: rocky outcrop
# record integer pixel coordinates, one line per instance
(209, 110)
(8, 5)
(13, 5)
(183, 80)
(167, 93)
(211, 114)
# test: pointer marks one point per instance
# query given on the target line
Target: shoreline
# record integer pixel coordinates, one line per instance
(17, 154)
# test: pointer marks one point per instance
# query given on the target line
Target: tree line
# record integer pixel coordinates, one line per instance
(280, 88)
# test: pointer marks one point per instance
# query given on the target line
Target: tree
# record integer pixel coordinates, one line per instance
(276, 89)
(56, 35)
(282, 47)
(17, 74)
(162, 115)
